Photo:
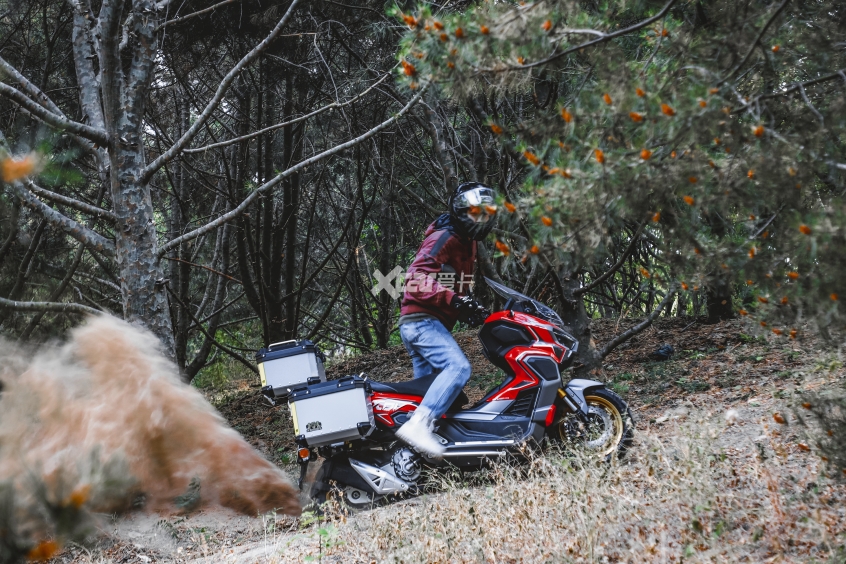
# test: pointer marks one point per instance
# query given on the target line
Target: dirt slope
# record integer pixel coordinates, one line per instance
(718, 393)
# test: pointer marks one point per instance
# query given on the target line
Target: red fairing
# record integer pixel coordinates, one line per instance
(546, 345)
(385, 406)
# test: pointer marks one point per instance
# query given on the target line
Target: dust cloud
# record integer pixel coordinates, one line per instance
(105, 418)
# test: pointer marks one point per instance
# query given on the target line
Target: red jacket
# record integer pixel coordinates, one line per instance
(442, 268)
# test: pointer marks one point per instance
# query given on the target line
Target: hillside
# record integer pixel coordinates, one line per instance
(712, 475)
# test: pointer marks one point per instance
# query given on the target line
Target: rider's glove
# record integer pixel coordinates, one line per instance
(470, 311)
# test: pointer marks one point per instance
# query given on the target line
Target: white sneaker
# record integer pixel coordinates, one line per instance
(417, 432)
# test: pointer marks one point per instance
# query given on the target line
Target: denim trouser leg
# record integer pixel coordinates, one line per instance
(433, 349)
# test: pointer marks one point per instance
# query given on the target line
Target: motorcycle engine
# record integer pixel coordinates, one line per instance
(406, 464)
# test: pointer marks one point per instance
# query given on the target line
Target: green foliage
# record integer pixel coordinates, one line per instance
(731, 162)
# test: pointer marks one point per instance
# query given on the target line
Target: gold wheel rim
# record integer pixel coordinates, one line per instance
(616, 419)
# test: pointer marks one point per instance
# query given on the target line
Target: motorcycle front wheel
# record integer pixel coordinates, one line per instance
(607, 428)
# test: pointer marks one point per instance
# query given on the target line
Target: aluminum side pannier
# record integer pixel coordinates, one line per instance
(288, 365)
(332, 412)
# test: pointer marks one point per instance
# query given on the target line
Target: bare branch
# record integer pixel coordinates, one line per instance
(751, 50)
(222, 88)
(603, 38)
(625, 336)
(206, 268)
(70, 202)
(96, 135)
(272, 183)
(79, 232)
(29, 88)
(195, 14)
(48, 306)
(285, 124)
(629, 250)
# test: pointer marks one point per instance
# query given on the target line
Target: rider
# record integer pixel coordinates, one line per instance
(436, 296)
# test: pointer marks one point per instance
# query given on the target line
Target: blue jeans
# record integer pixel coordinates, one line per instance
(434, 351)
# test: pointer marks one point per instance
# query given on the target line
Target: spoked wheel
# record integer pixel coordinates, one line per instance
(608, 427)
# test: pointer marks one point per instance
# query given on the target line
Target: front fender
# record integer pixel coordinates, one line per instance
(575, 390)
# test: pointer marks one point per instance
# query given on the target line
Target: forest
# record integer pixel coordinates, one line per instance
(229, 174)
(232, 174)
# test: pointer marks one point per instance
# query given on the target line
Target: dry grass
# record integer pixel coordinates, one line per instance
(680, 497)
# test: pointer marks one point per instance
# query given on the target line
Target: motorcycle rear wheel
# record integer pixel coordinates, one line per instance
(609, 427)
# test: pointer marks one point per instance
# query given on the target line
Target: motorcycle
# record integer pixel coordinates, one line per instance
(532, 405)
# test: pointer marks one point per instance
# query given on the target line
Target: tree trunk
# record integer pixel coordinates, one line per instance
(719, 302)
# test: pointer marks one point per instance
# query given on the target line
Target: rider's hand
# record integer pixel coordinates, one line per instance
(470, 311)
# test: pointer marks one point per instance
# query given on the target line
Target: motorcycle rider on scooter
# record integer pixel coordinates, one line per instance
(436, 297)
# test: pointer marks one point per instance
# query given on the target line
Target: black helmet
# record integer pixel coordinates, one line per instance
(472, 208)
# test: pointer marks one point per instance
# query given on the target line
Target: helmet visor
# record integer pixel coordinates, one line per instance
(480, 204)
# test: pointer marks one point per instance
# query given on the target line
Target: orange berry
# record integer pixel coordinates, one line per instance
(751, 173)
(804, 229)
(778, 417)
(791, 171)
(712, 164)
(408, 68)
(793, 336)
(531, 157)
(534, 250)
(510, 207)
(607, 98)
(667, 110)
(664, 32)
(696, 250)
(752, 252)
(693, 180)
(702, 103)
(547, 25)
(640, 92)
(491, 210)
(636, 117)
(776, 48)
(566, 115)
(451, 65)
(784, 300)
(763, 300)
(717, 141)
(459, 33)
(496, 129)
(503, 248)
(672, 154)
(547, 221)
(758, 130)
(793, 275)
(657, 217)
(16, 168)
(714, 91)
(742, 312)
(484, 30)
(689, 200)
(43, 551)
(684, 286)
(645, 154)
(833, 296)
(763, 324)
(600, 155)
(644, 272)
(803, 446)
(444, 37)
(438, 25)
(520, 60)
(410, 20)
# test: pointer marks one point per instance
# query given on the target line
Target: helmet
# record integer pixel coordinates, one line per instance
(472, 208)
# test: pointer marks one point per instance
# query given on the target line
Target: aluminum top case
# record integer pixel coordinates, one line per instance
(332, 412)
(288, 365)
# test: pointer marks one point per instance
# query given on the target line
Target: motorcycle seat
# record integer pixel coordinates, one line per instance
(416, 387)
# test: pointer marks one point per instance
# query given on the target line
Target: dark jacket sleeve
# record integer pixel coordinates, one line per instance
(421, 283)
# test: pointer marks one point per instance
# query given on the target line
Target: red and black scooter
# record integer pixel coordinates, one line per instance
(533, 404)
